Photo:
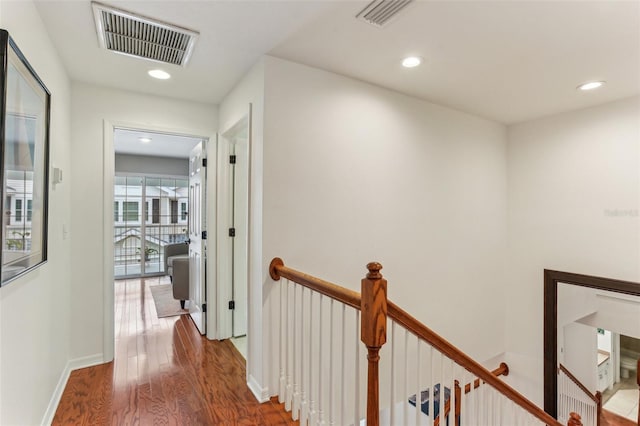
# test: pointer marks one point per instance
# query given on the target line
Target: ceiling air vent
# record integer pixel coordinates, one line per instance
(133, 35)
(380, 12)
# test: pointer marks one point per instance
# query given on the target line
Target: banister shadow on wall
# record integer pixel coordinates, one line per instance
(551, 281)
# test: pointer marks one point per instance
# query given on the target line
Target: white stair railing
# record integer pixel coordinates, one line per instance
(418, 378)
(573, 396)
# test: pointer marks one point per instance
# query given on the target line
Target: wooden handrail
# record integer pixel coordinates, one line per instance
(277, 269)
(577, 382)
(426, 334)
(341, 294)
(502, 370)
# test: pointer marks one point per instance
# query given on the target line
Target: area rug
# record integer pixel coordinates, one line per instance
(166, 305)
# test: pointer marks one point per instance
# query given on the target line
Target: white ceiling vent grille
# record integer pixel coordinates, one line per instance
(380, 12)
(133, 35)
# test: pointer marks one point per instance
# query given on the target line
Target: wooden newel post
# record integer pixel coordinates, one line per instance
(574, 420)
(373, 333)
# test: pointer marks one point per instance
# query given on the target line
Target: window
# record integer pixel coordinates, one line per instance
(18, 211)
(29, 210)
(173, 204)
(130, 211)
(183, 211)
(155, 208)
(116, 211)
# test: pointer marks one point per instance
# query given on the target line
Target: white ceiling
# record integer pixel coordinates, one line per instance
(508, 60)
(233, 35)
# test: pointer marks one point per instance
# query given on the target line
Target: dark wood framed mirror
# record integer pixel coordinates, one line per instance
(551, 281)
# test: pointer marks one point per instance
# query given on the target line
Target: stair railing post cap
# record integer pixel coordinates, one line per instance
(374, 270)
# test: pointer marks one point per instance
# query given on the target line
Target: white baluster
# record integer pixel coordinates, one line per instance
(332, 409)
(428, 384)
(305, 367)
(473, 396)
(321, 375)
(289, 356)
(312, 396)
(482, 404)
(356, 420)
(452, 395)
(431, 385)
(442, 382)
(283, 307)
(295, 412)
(406, 393)
(418, 390)
(392, 393)
(343, 375)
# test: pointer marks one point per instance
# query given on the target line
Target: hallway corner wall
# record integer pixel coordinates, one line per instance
(250, 90)
(35, 320)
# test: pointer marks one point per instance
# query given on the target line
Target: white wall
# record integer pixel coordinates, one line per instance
(581, 353)
(355, 173)
(35, 309)
(145, 164)
(574, 200)
(90, 107)
(250, 90)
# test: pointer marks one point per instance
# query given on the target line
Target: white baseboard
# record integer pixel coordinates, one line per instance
(72, 364)
(85, 361)
(261, 394)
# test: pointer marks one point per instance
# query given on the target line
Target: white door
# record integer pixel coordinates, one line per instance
(197, 237)
(233, 229)
(240, 187)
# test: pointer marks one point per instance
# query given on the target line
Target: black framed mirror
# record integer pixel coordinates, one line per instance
(24, 165)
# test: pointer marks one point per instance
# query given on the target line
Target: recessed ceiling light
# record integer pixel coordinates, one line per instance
(144, 140)
(159, 74)
(411, 61)
(591, 85)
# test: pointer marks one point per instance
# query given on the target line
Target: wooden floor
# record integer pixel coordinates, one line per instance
(612, 419)
(164, 373)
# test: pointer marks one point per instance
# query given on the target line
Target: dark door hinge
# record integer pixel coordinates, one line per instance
(232, 159)
(232, 304)
(204, 162)
(232, 232)
(204, 307)
(204, 235)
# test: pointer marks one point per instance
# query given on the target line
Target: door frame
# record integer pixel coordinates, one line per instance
(224, 290)
(108, 179)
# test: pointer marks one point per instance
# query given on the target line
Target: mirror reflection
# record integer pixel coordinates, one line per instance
(24, 171)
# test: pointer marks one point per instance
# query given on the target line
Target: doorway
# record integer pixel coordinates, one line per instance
(147, 207)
